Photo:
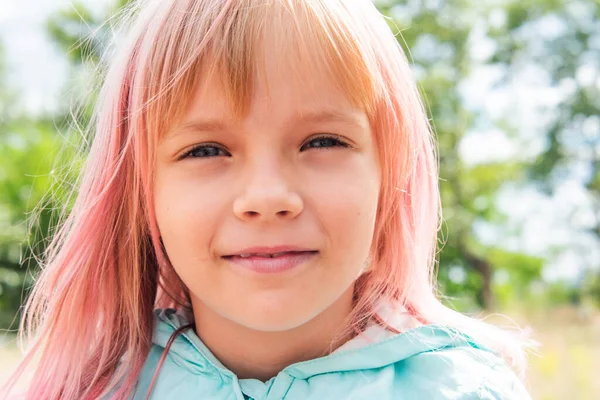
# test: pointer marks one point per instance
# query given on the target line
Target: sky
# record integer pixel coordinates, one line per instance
(23, 36)
(38, 70)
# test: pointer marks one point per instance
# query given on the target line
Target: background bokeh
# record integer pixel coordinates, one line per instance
(513, 91)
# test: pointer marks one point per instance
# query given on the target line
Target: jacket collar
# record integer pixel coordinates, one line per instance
(375, 348)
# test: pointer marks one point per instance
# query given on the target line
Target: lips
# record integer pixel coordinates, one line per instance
(267, 255)
(268, 251)
(270, 263)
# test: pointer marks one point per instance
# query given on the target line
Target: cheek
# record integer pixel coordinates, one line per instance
(346, 207)
(187, 218)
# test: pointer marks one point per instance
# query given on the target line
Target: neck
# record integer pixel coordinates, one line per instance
(261, 355)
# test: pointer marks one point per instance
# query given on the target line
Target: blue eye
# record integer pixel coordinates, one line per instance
(204, 151)
(325, 142)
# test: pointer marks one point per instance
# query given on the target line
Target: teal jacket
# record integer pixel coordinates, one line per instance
(426, 362)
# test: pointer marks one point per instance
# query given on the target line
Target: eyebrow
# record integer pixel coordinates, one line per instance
(325, 116)
(216, 125)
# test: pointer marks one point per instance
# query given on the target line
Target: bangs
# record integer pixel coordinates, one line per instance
(304, 37)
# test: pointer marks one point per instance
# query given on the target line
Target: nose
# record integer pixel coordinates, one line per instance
(267, 196)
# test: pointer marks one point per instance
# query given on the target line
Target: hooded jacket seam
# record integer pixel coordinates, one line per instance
(370, 346)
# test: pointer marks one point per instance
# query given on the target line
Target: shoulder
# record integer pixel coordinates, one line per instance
(446, 363)
(431, 362)
(462, 373)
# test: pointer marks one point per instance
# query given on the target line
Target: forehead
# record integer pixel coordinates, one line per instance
(212, 114)
(276, 91)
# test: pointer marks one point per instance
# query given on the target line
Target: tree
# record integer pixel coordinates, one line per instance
(28, 151)
(439, 36)
(561, 39)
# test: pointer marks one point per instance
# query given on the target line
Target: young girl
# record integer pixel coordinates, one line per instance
(257, 219)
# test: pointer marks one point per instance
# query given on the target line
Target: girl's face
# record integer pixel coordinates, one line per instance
(300, 169)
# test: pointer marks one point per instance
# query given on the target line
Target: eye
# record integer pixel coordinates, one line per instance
(205, 151)
(325, 142)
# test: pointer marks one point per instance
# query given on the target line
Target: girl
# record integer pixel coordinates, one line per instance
(257, 219)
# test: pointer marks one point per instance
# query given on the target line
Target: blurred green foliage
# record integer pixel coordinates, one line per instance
(438, 37)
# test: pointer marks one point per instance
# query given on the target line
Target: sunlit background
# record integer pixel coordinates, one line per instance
(513, 90)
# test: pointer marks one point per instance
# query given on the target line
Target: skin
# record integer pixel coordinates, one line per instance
(264, 183)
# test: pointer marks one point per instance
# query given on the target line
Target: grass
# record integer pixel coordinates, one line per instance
(566, 368)
(569, 360)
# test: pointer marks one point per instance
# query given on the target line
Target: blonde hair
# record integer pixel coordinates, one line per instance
(106, 269)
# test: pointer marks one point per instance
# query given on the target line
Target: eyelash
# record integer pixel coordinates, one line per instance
(337, 143)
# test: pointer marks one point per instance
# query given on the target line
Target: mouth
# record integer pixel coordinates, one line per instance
(270, 263)
(268, 255)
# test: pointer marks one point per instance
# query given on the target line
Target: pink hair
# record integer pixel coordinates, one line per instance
(90, 312)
